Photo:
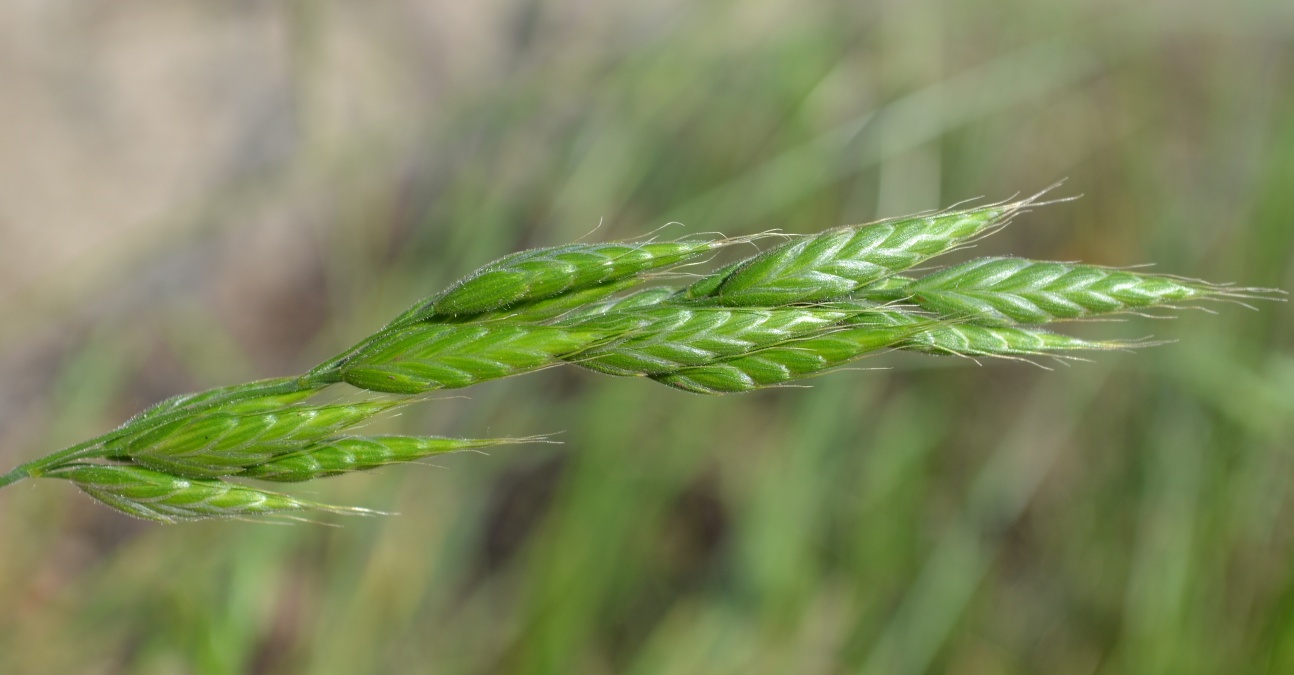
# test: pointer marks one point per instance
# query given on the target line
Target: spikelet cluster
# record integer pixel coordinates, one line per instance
(793, 311)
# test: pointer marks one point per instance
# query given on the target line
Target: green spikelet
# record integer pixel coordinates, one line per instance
(971, 340)
(548, 272)
(343, 455)
(224, 442)
(795, 360)
(956, 337)
(1005, 291)
(673, 338)
(165, 498)
(837, 262)
(435, 356)
(262, 395)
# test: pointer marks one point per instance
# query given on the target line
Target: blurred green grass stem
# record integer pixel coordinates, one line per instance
(13, 476)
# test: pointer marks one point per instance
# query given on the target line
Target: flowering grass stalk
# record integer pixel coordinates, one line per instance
(793, 311)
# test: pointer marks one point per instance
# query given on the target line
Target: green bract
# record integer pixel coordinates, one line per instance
(218, 443)
(158, 496)
(548, 272)
(972, 340)
(837, 262)
(343, 455)
(792, 361)
(672, 338)
(436, 356)
(794, 311)
(1013, 290)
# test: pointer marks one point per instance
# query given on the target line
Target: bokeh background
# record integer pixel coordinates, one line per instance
(195, 194)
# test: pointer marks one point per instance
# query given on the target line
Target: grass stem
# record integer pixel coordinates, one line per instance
(13, 476)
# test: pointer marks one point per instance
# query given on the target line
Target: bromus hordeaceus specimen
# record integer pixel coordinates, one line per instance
(795, 310)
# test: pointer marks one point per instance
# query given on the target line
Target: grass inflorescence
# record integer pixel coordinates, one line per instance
(795, 310)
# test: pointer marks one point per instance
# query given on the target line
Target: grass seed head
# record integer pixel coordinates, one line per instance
(674, 337)
(972, 340)
(547, 272)
(795, 360)
(343, 455)
(221, 443)
(1006, 291)
(283, 391)
(441, 356)
(166, 498)
(795, 311)
(835, 263)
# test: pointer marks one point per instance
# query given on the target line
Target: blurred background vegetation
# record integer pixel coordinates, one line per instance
(196, 194)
